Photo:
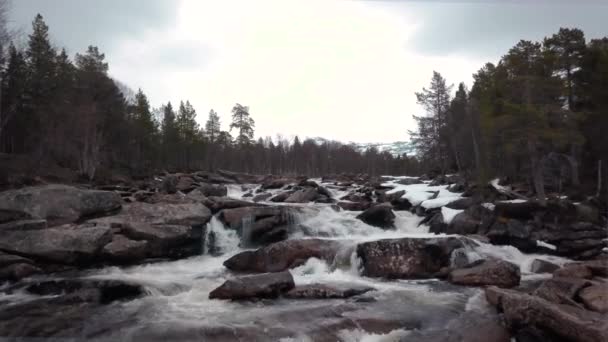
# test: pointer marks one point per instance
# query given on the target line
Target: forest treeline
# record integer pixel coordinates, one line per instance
(71, 112)
(539, 115)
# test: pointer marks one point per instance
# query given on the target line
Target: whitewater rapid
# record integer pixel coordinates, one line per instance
(178, 304)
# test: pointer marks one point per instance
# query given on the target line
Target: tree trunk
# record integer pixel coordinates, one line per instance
(599, 178)
(574, 165)
(537, 174)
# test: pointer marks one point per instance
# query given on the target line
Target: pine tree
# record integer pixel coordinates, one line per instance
(212, 127)
(13, 122)
(41, 84)
(243, 123)
(431, 138)
(144, 131)
(188, 129)
(170, 135)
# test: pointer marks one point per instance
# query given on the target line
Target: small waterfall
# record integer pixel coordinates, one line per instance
(246, 227)
(219, 240)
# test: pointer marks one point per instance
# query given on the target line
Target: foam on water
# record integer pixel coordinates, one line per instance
(180, 289)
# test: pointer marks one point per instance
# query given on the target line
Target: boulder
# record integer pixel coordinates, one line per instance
(574, 270)
(276, 183)
(190, 214)
(23, 225)
(162, 240)
(185, 184)
(280, 198)
(283, 255)
(561, 290)
(463, 224)
(303, 196)
(262, 197)
(259, 225)
(595, 297)
(512, 232)
(169, 184)
(354, 206)
(14, 267)
(65, 245)
(380, 215)
(17, 271)
(103, 291)
(220, 203)
(123, 250)
(463, 203)
(60, 204)
(558, 321)
(323, 291)
(7, 215)
(409, 181)
(266, 285)
(487, 272)
(213, 190)
(518, 210)
(406, 258)
(542, 266)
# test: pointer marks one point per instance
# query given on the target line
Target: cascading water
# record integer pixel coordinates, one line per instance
(218, 239)
(179, 307)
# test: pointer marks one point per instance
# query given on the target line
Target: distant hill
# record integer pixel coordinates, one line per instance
(395, 148)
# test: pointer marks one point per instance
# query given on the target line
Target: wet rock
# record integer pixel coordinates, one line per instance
(59, 204)
(543, 266)
(517, 210)
(512, 232)
(470, 326)
(380, 215)
(262, 197)
(185, 184)
(436, 222)
(463, 203)
(354, 206)
(18, 271)
(463, 224)
(409, 181)
(169, 184)
(280, 198)
(162, 240)
(323, 291)
(259, 225)
(560, 321)
(7, 215)
(106, 291)
(407, 258)
(124, 250)
(161, 213)
(574, 270)
(69, 245)
(595, 297)
(357, 197)
(213, 190)
(276, 183)
(561, 290)
(487, 272)
(303, 196)
(267, 285)
(283, 255)
(587, 212)
(220, 203)
(14, 267)
(23, 225)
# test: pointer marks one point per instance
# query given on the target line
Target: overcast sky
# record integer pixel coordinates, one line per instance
(344, 70)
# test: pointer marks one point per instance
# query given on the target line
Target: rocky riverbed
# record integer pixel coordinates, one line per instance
(236, 257)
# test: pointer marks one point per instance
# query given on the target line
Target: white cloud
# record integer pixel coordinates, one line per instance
(337, 69)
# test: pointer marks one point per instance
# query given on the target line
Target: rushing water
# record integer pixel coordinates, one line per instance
(178, 307)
